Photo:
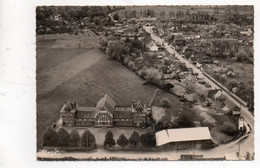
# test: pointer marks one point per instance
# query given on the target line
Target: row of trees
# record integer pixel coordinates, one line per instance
(129, 53)
(64, 139)
(146, 140)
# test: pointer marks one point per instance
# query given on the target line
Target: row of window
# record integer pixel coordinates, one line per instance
(89, 119)
(66, 121)
(65, 115)
(123, 119)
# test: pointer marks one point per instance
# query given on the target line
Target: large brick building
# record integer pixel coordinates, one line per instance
(105, 114)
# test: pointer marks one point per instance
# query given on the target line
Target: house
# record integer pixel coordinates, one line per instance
(105, 114)
(229, 105)
(184, 138)
(212, 93)
(179, 40)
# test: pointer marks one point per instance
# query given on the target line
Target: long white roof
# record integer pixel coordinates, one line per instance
(182, 134)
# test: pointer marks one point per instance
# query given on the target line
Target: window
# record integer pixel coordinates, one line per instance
(103, 121)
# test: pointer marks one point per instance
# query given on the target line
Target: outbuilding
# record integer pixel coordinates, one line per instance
(184, 138)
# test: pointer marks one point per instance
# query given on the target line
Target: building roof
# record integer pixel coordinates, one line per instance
(229, 105)
(85, 112)
(122, 112)
(106, 102)
(69, 107)
(179, 37)
(182, 135)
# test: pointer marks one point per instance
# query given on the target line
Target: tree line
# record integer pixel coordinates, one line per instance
(146, 140)
(62, 138)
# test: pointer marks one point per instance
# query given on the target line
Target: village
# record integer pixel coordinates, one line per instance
(186, 54)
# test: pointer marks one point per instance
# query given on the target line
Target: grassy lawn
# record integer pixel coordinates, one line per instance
(45, 58)
(244, 71)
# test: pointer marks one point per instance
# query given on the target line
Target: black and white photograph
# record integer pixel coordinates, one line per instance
(145, 83)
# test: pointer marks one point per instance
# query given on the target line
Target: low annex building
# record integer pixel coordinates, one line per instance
(184, 138)
(105, 114)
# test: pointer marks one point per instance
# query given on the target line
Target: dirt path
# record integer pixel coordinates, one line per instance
(55, 76)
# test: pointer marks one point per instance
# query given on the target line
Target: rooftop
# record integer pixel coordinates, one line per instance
(182, 135)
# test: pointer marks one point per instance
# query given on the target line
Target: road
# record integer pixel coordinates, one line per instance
(247, 145)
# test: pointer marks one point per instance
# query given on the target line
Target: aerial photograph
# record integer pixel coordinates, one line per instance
(145, 83)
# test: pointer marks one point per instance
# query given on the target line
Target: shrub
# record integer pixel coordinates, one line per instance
(116, 16)
(184, 121)
(109, 139)
(143, 72)
(74, 138)
(148, 140)
(229, 129)
(88, 139)
(122, 141)
(131, 65)
(152, 74)
(64, 137)
(134, 139)
(50, 137)
(126, 60)
(165, 103)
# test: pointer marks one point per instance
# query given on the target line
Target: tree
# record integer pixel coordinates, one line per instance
(184, 121)
(96, 21)
(134, 139)
(165, 103)
(88, 140)
(148, 140)
(162, 14)
(109, 140)
(103, 42)
(137, 44)
(74, 138)
(131, 65)
(152, 75)
(187, 12)
(242, 56)
(116, 16)
(50, 137)
(229, 128)
(122, 141)
(116, 49)
(64, 137)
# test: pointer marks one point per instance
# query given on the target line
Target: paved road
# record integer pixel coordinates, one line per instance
(247, 145)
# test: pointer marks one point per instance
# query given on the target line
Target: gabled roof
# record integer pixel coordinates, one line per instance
(69, 107)
(182, 135)
(229, 104)
(106, 102)
(138, 106)
(85, 112)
